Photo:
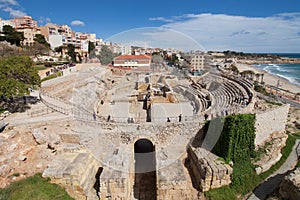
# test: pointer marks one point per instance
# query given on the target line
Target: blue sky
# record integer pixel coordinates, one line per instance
(240, 25)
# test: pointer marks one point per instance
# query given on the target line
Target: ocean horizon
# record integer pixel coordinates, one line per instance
(288, 55)
(290, 72)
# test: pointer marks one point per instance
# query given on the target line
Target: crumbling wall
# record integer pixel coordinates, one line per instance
(209, 172)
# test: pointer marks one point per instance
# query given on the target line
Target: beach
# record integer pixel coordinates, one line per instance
(270, 79)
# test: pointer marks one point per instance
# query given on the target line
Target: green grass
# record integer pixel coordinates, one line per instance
(34, 188)
(55, 75)
(40, 67)
(274, 103)
(251, 180)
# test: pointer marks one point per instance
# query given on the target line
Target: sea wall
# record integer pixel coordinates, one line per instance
(270, 122)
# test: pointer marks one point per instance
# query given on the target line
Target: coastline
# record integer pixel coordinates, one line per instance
(270, 79)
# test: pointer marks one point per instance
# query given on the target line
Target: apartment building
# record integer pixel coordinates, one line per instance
(24, 22)
(28, 26)
(54, 29)
(29, 35)
(126, 50)
(197, 61)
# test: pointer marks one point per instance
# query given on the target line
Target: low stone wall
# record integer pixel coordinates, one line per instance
(270, 122)
(209, 172)
(115, 185)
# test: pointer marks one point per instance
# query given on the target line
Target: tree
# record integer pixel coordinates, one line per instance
(106, 55)
(58, 49)
(91, 50)
(42, 40)
(71, 52)
(17, 75)
(11, 35)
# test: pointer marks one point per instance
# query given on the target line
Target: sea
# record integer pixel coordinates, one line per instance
(290, 72)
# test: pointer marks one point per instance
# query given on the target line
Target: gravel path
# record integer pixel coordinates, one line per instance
(270, 184)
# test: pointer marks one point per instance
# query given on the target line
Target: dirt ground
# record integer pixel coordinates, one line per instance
(20, 154)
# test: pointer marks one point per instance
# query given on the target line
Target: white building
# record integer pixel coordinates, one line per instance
(6, 22)
(197, 61)
(126, 50)
(56, 40)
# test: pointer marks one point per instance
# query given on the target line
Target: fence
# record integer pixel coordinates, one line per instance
(79, 113)
(39, 111)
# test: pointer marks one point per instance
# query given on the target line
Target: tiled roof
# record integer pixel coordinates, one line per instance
(132, 57)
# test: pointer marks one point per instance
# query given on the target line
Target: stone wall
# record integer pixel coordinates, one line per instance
(270, 122)
(207, 170)
(76, 173)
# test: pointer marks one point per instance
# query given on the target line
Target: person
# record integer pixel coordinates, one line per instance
(94, 116)
(108, 118)
(168, 119)
(179, 117)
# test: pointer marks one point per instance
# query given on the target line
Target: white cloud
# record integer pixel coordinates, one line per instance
(44, 20)
(278, 33)
(77, 23)
(160, 19)
(14, 12)
(9, 2)
(12, 7)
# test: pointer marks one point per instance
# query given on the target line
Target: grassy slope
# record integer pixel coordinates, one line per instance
(34, 188)
(229, 192)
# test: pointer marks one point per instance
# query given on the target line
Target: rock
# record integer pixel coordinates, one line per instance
(297, 125)
(4, 169)
(22, 158)
(26, 151)
(258, 170)
(39, 136)
(39, 166)
(54, 138)
(12, 147)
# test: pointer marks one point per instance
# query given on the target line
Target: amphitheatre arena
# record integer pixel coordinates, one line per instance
(136, 134)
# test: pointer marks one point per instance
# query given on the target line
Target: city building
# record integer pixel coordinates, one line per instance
(28, 26)
(29, 35)
(6, 22)
(132, 61)
(24, 22)
(197, 61)
(126, 50)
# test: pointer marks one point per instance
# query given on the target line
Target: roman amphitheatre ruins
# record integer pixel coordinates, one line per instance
(107, 133)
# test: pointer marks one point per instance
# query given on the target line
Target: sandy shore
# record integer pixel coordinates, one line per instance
(270, 79)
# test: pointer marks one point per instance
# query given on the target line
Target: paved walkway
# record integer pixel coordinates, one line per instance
(270, 184)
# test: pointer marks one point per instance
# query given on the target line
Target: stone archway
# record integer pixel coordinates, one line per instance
(145, 170)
